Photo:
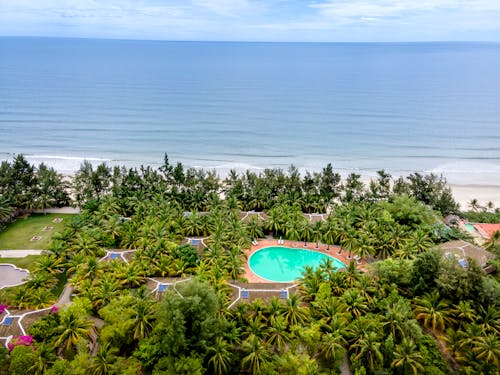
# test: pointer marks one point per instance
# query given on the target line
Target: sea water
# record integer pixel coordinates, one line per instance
(402, 107)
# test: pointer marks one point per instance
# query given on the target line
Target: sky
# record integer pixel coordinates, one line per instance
(255, 20)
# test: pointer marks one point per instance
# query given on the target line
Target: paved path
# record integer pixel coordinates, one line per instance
(19, 253)
(61, 210)
(65, 297)
(344, 368)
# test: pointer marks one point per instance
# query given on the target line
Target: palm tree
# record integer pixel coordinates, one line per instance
(275, 219)
(6, 210)
(131, 275)
(104, 360)
(489, 319)
(433, 311)
(317, 232)
(395, 317)
(368, 348)
(363, 246)
(329, 232)
(194, 225)
(464, 313)
(219, 354)
(41, 298)
(254, 227)
(406, 358)
(90, 269)
(306, 232)
(254, 328)
(487, 349)
(351, 274)
(49, 263)
(107, 288)
(72, 327)
(407, 251)
(22, 297)
(419, 240)
(144, 315)
(278, 337)
(474, 204)
(332, 346)
(332, 311)
(44, 357)
(356, 303)
(86, 244)
(293, 312)
(348, 241)
(310, 281)
(235, 265)
(257, 357)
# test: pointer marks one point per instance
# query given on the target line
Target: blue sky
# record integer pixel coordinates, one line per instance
(255, 20)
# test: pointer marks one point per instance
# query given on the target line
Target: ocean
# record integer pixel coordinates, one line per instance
(402, 107)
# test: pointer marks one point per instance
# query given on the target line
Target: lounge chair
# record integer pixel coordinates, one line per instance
(162, 287)
(245, 294)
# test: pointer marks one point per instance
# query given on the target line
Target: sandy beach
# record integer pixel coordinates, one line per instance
(463, 194)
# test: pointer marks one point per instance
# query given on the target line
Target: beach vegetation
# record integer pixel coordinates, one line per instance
(408, 311)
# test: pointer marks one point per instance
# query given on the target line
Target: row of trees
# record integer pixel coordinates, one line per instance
(195, 189)
(26, 187)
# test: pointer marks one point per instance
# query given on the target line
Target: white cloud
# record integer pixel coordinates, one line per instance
(399, 8)
(254, 19)
(226, 8)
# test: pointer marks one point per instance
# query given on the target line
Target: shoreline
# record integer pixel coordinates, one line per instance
(463, 194)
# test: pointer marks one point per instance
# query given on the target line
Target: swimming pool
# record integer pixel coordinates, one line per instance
(285, 264)
(470, 228)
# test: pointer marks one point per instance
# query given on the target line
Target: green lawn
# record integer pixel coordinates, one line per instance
(18, 234)
(26, 262)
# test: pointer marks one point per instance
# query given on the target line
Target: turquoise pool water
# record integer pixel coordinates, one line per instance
(285, 264)
(470, 228)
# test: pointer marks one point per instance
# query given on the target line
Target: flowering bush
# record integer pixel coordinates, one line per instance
(20, 340)
(3, 308)
(54, 309)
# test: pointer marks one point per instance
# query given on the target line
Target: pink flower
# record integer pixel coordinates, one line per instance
(3, 308)
(20, 340)
(55, 309)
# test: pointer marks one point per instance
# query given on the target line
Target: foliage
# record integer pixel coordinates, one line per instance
(481, 216)
(397, 317)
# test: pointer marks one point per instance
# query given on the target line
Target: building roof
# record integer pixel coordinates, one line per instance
(465, 249)
(487, 230)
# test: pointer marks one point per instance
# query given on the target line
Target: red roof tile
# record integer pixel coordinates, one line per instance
(487, 230)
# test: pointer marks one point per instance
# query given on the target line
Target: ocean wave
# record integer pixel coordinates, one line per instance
(58, 157)
(469, 172)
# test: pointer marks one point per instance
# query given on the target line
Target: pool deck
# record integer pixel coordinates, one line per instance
(262, 243)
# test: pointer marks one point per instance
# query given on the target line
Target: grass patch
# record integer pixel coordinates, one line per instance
(27, 262)
(19, 234)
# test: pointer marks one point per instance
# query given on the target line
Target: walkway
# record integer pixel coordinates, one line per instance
(19, 253)
(60, 210)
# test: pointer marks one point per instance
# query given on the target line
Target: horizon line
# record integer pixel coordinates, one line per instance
(251, 41)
